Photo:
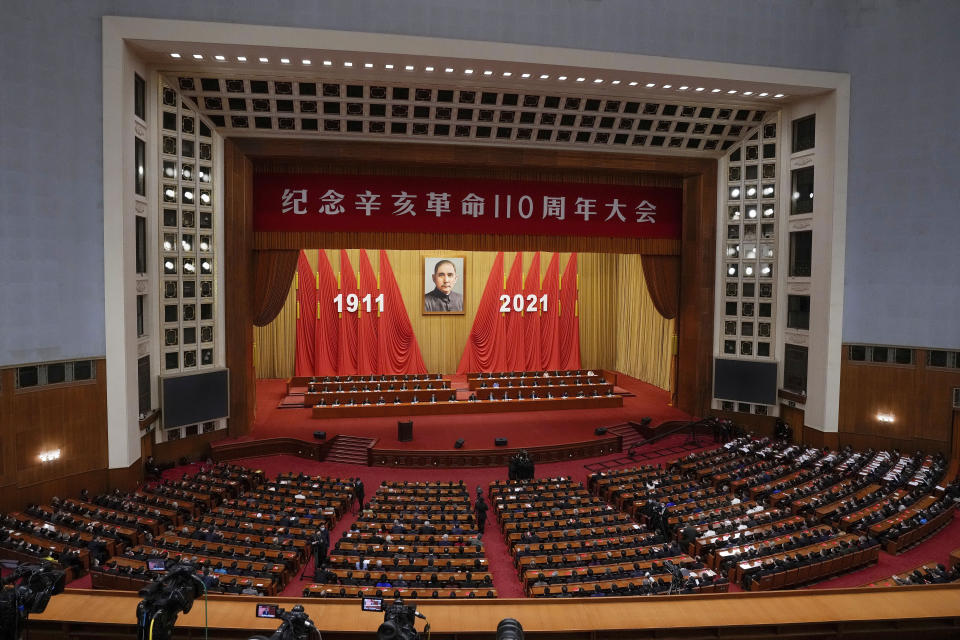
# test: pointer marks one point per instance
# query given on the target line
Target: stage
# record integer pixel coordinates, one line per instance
(281, 427)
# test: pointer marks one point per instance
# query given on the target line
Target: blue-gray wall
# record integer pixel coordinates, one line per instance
(903, 220)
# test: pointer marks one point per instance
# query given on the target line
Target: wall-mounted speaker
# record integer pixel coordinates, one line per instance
(599, 431)
(458, 444)
(500, 442)
(320, 435)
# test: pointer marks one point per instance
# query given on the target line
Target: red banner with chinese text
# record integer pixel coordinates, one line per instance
(413, 204)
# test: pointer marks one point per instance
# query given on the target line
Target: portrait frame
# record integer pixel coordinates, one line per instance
(430, 261)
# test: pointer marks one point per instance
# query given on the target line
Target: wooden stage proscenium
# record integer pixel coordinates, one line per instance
(463, 407)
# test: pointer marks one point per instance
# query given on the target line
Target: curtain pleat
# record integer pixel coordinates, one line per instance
(531, 320)
(644, 336)
(514, 354)
(367, 322)
(347, 350)
(549, 347)
(306, 318)
(485, 344)
(568, 324)
(398, 351)
(328, 324)
(272, 274)
(662, 275)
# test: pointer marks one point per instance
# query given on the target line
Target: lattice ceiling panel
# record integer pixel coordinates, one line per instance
(251, 106)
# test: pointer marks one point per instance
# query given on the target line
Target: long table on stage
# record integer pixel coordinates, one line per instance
(929, 611)
(464, 406)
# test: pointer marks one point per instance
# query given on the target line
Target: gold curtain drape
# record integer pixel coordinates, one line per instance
(272, 273)
(620, 327)
(644, 337)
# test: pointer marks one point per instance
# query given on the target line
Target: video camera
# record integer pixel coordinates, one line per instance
(398, 618)
(296, 623)
(164, 599)
(28, 590)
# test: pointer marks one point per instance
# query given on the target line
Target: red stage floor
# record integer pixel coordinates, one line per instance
(525, 429)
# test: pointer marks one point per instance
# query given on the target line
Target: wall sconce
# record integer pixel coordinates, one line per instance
(49, 456)
(885, 417)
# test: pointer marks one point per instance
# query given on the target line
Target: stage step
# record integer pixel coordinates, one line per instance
(350, 449)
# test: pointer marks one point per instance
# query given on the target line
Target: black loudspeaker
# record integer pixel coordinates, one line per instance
(500, 442)
(320, 435)
(458, 444)
(405, 431)
(599, 431)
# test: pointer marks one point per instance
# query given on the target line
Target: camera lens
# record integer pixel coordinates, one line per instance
(388, 631)
(509, 629)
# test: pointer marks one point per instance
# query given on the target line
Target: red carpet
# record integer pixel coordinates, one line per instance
(523, 429)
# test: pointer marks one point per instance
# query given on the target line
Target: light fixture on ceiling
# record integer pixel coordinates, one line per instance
(597, 80)
(614, 82)
(561, 77)
(409, 67)
(752, 212)
(885, 417)
(732, 91)
(388, 66)
(748, 270)
(544, 76)
(634, 83)
(651, 85)
(683, 88)
(204, 246)
(488, 72)
(306, 62)
(507, 74)
(581, 79)
(264, 59)
(284, 60)
(167, 245)
(220, 58)
(448, 70)
(524, 75)
(186, 245)
(428, 69)
(751, 191)
(168, 265)
(700, 89)
(174, 55)
(748, 93)
(764, 94)
(778, 95)
(716, 90)
(668, 86)
(197, 56)
(347, 63)
(327, 63)
(735, 192)
(241, 58)
(468, 71)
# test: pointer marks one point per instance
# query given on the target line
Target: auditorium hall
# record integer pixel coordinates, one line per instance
(580, 318)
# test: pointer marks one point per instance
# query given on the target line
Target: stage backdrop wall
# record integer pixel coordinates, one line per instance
(619, 327)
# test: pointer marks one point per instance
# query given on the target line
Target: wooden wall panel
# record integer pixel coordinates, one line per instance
(919, 397)
(238, 265)
(72, 418)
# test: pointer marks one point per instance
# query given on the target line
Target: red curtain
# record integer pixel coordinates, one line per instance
(328, 324)
(347, 362)
(306, 318)
(514, 354)
(367, 321)
(272, 273)
(485, 344)
(568, 325)
(399, 352)
(531, 321)
(662, 275)
(549, 347)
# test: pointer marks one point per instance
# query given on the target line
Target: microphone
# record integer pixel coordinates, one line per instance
(419, 615)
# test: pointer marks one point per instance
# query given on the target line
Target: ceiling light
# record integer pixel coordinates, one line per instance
(748, 93)
(614, 82)
(634, 83)
(748, 270)
(544, 76)
(205, 198)
(448, 70)
(185, 245)
(561, 77)
(488, 73)
(428, 68)
(306, 62)
(715, 91)
(765, 270)
(204, 246)
(468, 71)
(524, 75)
(768, 191)
(732, 91)
(197, 56)
(684, 88)
(751, 213)
(507, 74)
(764, 94)
(752, 191)
(796, 195)
(264, 59)
(409, 67)
(581, 79)
(241, 58)
(768, 212)
(168, 265)
(348, 64)
(651, 85)
(327, 63)
(171, 193)
(220, 58)
(735, 192)
(167, 245)
(205, 265)
(699, 88)
(388, 66)
(597, 80)
(174, 55)
(284, 60)
(188, 195)
(779, 95)
(732, 271)
(668, 86)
